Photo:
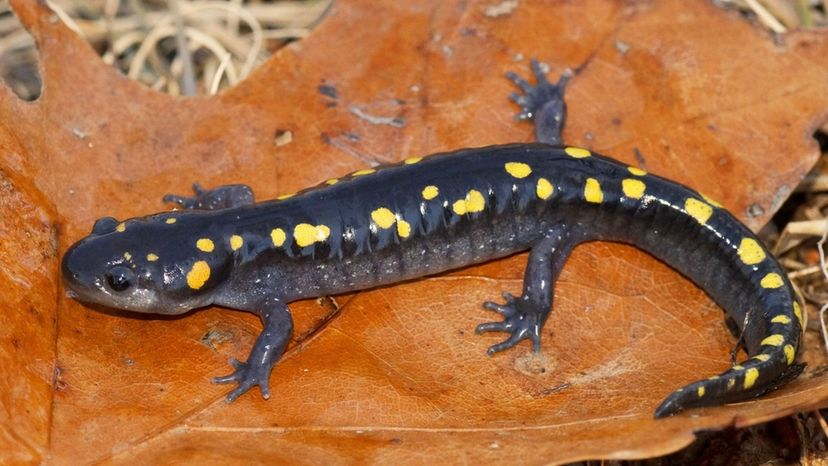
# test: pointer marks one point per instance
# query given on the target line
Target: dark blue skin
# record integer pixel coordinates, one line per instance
(353, 247)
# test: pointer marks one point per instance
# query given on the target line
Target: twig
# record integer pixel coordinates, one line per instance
(821, 249)
(67, 20)
(803, 11)
(244, 15)
(765, 17)
(188, 84)
(166, 30)
(805, 272)
(783, 11)
(219, 73)
(110, 9)
(233, 18)
(822, 423)
(794, 232)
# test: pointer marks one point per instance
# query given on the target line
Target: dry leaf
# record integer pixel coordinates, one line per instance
(395, 374)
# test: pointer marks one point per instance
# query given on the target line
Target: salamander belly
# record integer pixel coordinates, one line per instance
(445, 250)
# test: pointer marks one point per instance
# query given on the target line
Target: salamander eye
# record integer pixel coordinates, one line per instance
(119, 278)
(104, 225)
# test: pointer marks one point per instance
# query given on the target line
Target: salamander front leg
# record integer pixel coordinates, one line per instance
(278, 326)
(222, 197)
(524, 316)
(544, 103)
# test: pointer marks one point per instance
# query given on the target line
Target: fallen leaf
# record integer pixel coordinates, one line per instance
(395, 374)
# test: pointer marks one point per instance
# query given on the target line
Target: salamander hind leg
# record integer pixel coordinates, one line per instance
(524, 316)
(269, 346)
(544, 103)
(222, 197)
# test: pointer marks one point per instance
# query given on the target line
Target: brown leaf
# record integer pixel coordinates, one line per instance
(395, 374)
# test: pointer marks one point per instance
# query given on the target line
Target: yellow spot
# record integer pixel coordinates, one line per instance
(366, 171)
(518, 170)
(633, 188)
(332, 181)
(713, 377)
(277, 235)
(459, 207)
(738, 367)
(790, 353)
(731, 383)
(750, 252)
(170, 221)
(306, 234)
(750, 377)
(403, 228)
(762, 357)
(700, 391)
(412, 160)
(383, 217)
(205, 245)
(710, 201)
(698, 210)
(637, 171)
(285, 196)
(577, 152)
(322, 232)
(198, 275)
(127, 256)
(544, 188)
(771, 280)
(592, 191)
(781, 319)
(430, 192)
(121, 227)
(773, 340)
(798, 313)
(152, 257)
(475, 202)
(236, 242)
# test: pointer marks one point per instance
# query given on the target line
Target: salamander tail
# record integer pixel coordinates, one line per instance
(762, 373)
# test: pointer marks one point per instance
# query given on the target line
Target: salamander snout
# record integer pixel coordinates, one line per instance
(75, 278)
(92, 275)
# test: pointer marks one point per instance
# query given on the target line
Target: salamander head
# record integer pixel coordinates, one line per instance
(144, 265)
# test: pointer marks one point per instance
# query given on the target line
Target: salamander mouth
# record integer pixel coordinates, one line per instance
(85, 289)
(90, 290)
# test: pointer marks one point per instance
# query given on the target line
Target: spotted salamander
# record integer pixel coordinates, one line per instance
(426, 215)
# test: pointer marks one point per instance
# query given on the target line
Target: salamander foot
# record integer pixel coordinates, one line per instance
(247, 377)
(543, 102)
(222, 197)
(520, 319)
